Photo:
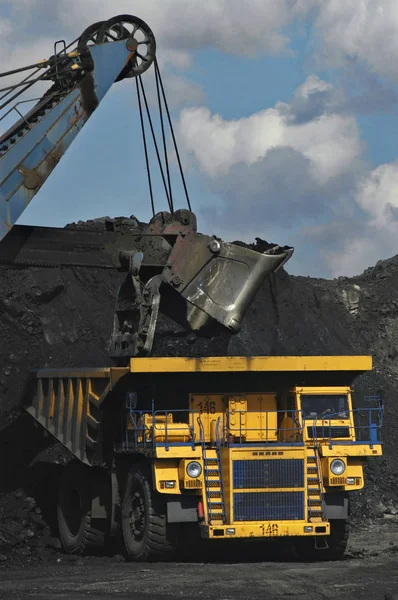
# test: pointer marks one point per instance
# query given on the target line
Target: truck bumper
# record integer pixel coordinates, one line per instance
(266, 530)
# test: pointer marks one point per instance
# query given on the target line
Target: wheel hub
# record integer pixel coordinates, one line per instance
(137, 515)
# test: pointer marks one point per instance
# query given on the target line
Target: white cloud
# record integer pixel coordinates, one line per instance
(374, 237)
(331, 142)
(364, 30)
(378, 196)
(179, 24)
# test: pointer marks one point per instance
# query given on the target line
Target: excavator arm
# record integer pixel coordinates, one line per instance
(201, 282)
(34, 145)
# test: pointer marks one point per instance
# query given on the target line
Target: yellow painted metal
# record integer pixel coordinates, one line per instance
(163, 429)
(354, 470)
(275, 452)
(268, 529)
(210, 408)
(238, 417)
(336, 389)
(256, 363)
(113, 374)
(179, 452)
(259, 423)
(251, 416)
(338, 450)
(166, 470)
(69, 407)
(189, 482)
(326, 470)
(324, 424)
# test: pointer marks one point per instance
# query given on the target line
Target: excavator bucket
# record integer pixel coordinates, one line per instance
(218, 280)
(205, 285)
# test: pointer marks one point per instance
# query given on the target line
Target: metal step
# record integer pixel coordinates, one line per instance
(212, 472)
(314, 502)
(316, 512)
(211, 462)
(213, 483)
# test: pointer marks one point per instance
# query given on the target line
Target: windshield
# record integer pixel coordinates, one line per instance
(324, 406)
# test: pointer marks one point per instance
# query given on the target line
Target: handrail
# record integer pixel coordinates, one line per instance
(372, 428)
(301, 430)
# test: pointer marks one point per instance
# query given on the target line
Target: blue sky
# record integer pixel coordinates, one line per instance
(285, 113)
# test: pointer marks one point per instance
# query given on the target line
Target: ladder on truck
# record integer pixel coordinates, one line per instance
(315, 496)
(213, 478)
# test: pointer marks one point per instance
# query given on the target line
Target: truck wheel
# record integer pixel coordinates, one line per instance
(338, 539)
(74, 511)
(337, 543)
(147, 536)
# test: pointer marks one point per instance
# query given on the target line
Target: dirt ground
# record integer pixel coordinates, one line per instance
(369, 571)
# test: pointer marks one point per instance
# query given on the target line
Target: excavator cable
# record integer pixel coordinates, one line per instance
(157, 71)
(163, 136)
(155, 142)
(164, 170)
(37, 66)
(23, 81)
(145, 146)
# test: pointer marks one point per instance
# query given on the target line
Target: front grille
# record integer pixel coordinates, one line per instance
(268, 473)
(268, 506)
(338, 481)
(329, 432)
(192, 483)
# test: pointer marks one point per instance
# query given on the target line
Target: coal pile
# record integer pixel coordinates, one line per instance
(62, 317)
(24, 534)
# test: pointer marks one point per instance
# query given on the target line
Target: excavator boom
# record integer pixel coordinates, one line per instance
(32, 147)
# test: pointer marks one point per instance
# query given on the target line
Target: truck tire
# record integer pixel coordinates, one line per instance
(338, 539)
(74, 511)
(147, 536)
(305, 548)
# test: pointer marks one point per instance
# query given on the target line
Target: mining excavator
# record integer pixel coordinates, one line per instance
(202, 282)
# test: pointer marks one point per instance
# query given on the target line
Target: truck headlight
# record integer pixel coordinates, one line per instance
(337, 466)
(194, 469)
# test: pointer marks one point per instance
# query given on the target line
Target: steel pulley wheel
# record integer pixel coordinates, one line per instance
(125, 27)
(89, 35)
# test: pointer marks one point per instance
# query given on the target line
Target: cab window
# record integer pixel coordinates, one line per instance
(324, 406)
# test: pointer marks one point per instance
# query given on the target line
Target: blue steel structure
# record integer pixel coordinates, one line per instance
(32, 147)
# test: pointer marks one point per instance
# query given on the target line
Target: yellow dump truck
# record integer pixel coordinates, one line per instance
(258, 447)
